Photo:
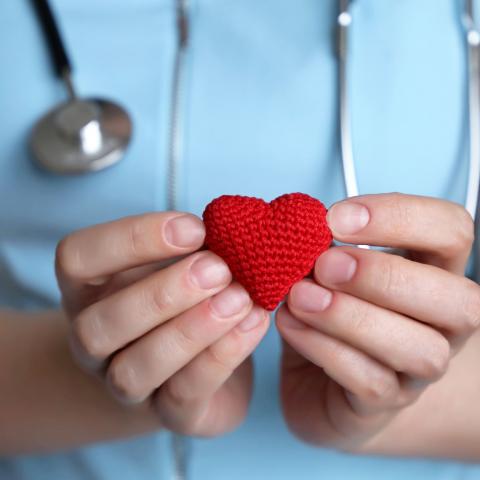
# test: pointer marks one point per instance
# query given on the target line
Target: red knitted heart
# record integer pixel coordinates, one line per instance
(268, 246)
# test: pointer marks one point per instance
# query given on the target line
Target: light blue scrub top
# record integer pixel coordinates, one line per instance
(260, 118)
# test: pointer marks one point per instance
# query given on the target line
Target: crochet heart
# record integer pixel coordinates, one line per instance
(267, 246)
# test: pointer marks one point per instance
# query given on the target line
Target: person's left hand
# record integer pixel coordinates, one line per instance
(371, 330)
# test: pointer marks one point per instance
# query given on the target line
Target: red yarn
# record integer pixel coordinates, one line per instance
(268, 246)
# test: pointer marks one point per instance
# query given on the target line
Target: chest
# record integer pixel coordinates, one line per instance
(258, 109)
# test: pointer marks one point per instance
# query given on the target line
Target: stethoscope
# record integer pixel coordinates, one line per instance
(82, 135)
(91, 134)
(472, 36)
(85, 135)
(78, 135)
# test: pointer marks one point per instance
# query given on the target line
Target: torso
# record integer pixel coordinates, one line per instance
(259, 117)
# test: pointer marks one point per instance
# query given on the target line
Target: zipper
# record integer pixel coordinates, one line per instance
(176, 96)
(179, 443)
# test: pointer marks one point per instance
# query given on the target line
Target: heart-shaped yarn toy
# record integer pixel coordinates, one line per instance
(267, 246)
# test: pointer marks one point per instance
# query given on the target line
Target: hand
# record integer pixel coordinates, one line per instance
(371, 330)
(177, 335)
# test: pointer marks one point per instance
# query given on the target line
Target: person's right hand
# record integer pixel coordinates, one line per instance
(177, 334)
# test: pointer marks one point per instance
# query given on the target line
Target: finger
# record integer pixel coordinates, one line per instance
(80, 297)
(220, 413)
(133, 275)
(185, 403)
(434, 296)
(77, 298)
(317, 409)
(135, 372)
(90, 254)
(110, 324)
(211, 368)
(373, 387)
(400, 343)
(443, 230)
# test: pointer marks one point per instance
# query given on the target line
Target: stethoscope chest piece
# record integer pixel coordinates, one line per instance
(80, 136)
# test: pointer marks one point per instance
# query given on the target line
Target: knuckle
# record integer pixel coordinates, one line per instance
(90, 344)
(406, 398)
(401, 212)
(68, 261)
(228, 352)
(392, 278)
(462, 233)
(185, 338)
(123, 382)
(177, 392)
(380, 388)
(469, 318)
(180, 411)
(138, 237)
(161, 298)
(197, 425)
(433, 362)
(362, 318)
(225, 364)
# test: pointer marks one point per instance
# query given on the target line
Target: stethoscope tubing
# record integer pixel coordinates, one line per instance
(472, 34)
(61, 62)
(344, 20)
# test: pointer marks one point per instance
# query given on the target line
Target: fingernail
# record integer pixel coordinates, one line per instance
(209, 272)
(289, 321)
(347, 218)
(335, 266)
(184, 231)
(309, 297)
(229, 301)
(254, 319)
